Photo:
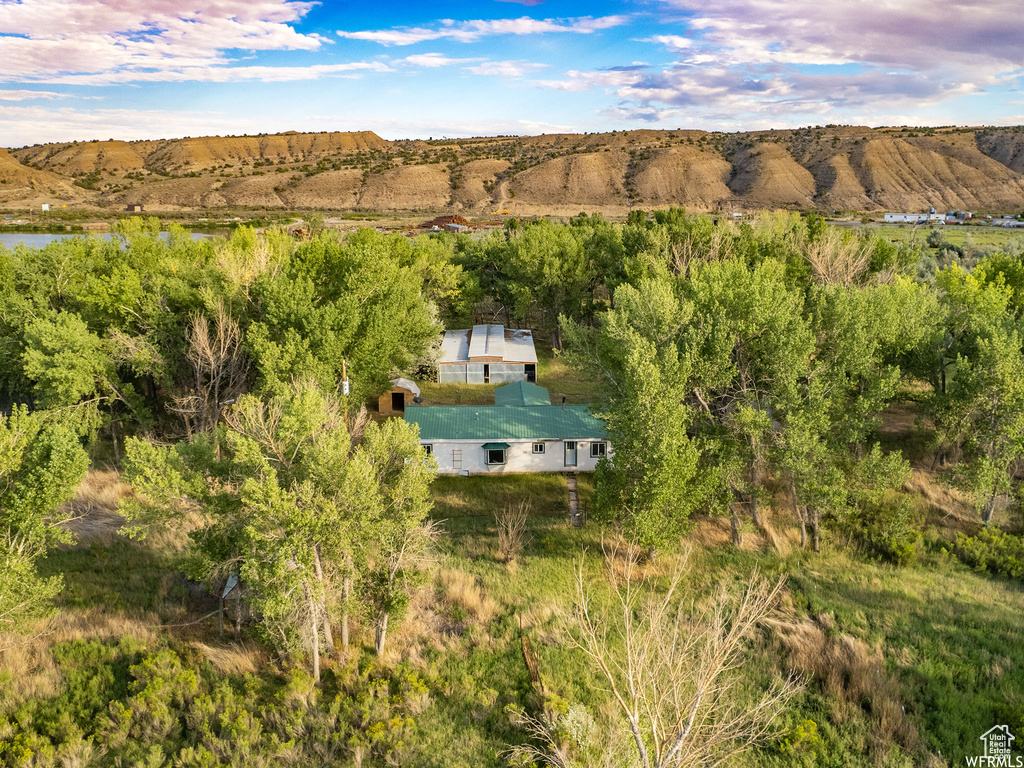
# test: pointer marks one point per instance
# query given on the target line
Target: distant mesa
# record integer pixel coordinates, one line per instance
(848, 168)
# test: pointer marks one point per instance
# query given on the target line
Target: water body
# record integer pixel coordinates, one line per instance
(41, 240)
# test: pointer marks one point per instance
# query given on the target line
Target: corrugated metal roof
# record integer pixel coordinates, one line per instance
(455, 346)
(521, 393)
(519, 347)
(487, 341)
(498, 422)
(511, 345)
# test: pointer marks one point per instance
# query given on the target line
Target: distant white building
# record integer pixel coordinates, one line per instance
(912, 218)
(1007, 221)
(487, 354)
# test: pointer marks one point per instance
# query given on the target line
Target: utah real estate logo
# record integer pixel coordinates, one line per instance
(998, 741)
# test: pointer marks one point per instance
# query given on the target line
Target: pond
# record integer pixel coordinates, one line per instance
(42, 239)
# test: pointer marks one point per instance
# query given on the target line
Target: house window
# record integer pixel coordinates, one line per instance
(496, 453)
(597, 450)
(538, 448)
(428, 448)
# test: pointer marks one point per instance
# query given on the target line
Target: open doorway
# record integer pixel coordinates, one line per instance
(398, 402)
(531, 372)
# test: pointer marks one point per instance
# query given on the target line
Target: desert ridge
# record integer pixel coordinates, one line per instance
(829, 168)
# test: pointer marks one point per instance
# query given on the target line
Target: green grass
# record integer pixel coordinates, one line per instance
(124, 577)
(981, 235)
(951, 637)
(553, 373)
(943, 641)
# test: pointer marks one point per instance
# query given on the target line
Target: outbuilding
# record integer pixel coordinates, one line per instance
(403, 393)
(487, 354)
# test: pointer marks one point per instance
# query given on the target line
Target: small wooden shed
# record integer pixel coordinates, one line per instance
(400, 395)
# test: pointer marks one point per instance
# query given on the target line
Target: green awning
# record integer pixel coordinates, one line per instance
(496, 446)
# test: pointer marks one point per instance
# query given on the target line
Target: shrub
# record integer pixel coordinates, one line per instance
(511, 522)
(991, 550)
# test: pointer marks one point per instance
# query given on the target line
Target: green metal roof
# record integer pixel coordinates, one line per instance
(498, 422)
(521, 393)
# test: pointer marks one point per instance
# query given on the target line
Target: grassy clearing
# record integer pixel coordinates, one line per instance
(956, 234)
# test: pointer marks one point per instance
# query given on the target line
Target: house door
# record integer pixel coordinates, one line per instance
(570, 453)
(397, 402)
(530, 369)
(487, 374)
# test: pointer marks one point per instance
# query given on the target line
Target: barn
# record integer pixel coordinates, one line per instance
(487, 354)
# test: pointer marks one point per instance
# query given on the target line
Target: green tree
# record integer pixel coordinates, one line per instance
(41, 465)
(657, 476)
(290, 504)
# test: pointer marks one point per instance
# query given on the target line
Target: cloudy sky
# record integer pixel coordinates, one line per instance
(85, 69)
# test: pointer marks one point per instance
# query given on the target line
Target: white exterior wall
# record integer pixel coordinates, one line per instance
(913, 218)
(519, 457)
(473, 373)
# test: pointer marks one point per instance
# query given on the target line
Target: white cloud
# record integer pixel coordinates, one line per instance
(433, 60)
(505, 68)
(910, 34)
(750, 61)
(95, 41)
(24, 95)
(674, 43)
(472, 30)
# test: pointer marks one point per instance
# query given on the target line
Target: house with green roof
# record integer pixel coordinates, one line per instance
(521, 432)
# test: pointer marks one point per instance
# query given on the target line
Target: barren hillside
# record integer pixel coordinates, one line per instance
(838, 167)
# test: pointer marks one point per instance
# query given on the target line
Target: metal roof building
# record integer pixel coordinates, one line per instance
(487, 354)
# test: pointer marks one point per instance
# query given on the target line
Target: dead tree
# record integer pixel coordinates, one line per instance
(671, 674)
(219, 370)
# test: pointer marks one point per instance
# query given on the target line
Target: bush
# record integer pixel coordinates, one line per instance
(991, 550)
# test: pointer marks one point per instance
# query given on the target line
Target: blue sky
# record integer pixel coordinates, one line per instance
(86, 69)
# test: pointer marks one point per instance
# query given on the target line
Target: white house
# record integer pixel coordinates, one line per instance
(487, 354)
(502, 439)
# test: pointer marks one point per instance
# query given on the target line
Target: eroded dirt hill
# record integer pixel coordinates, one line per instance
(839, 167)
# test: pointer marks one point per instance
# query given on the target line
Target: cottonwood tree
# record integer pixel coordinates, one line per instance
(41, 464)
(751, 344)
(977, 389)
(671, 671)
(657, 476)
(401, 537)
(984, 412)
(291, 505)
(362, 301)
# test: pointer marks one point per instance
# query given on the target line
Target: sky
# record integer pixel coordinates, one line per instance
(146, 69)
